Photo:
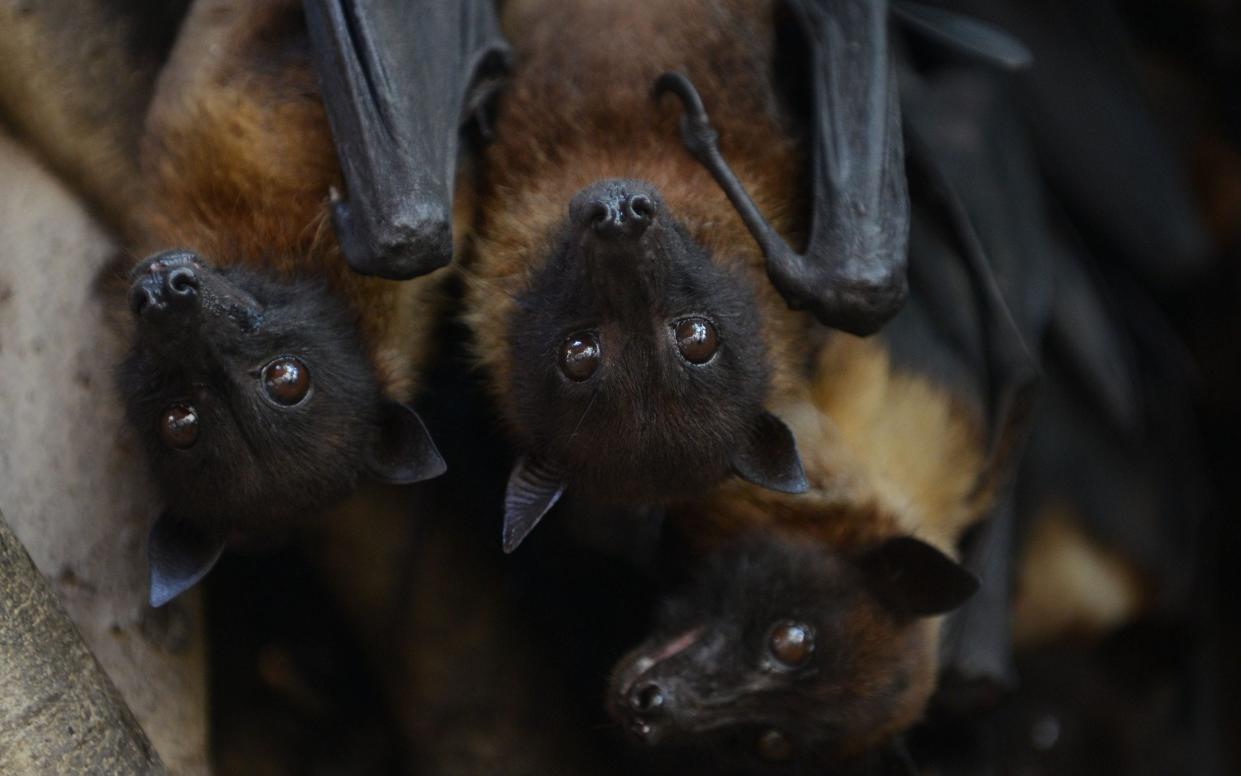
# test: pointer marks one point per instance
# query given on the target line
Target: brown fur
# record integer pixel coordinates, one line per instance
(887, 453)
(239, 161)
(579, 109)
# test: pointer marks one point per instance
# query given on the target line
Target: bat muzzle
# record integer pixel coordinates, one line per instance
(615, 210)
(173, 293)
(166, 286)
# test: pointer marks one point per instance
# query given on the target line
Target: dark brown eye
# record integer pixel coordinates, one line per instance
(696, 339)
(791, 643)
(178, 426)
(580, 356)
(774, 746)
(286, 380)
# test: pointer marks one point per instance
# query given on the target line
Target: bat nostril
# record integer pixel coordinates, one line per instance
(641, 208)
(140, 297)
(182, 282)
(600, 216)
(647, 698)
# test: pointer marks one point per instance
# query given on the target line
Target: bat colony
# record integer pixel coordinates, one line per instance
(781, 270)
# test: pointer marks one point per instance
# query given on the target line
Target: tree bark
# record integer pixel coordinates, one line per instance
(74, 485)
(58, 711)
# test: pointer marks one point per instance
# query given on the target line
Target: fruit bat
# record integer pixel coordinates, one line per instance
(267, 378)
(807, 635)
(633, 315)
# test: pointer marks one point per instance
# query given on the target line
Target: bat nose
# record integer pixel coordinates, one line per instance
(165, 285)
(615, 209)
(647, 699)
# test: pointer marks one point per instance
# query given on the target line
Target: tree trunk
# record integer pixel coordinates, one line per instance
(58, 711)
(73, 482)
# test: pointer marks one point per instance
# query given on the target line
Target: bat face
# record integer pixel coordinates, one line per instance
(256, 402)
(783, 655)
(638, 364)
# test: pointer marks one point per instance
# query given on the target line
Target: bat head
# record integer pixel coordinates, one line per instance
(784, 655)
(257, 405)
(639, 372)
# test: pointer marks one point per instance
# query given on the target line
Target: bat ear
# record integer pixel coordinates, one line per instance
(178, 556)
(533, 489)
(769, 457)
(915, 579)
(404, 451)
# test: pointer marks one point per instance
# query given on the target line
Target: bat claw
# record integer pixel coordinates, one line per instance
(697, 134)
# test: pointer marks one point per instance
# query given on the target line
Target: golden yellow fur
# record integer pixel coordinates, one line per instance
(887, 453)
(1070, 584)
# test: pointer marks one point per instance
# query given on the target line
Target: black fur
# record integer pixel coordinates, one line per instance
(647, 425)
(258, 467)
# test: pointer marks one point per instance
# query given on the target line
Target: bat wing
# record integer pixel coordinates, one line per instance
(1097, 141)
(851, 274)
(400, 78)
(982, 245)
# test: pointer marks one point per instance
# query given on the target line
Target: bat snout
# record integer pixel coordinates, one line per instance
(615, 209)
(642, 710)
(166, 286)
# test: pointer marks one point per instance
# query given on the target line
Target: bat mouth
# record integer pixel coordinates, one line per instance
(639, 663)
(637, 702)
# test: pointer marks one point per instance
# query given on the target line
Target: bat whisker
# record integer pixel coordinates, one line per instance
(582, 417)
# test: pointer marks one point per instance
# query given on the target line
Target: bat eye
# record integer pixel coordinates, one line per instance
(791, 643)
(580, 356)
(286, 380)
(774, 746)
(696, 339)
(178, 426)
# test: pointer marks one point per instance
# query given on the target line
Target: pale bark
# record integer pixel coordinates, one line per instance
(59, 713)
(73, 481)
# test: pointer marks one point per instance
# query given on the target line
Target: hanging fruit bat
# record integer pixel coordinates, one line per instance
(623, 312)
(807, 637)
(634, 315)
(267, 378)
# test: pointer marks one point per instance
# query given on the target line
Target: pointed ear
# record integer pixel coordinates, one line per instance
(768, 457)
(916, 579)
(178, 556)
(533, 488)
(404, 452)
